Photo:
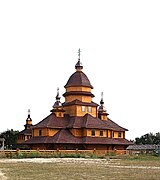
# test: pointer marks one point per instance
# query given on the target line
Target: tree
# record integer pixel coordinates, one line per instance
(149, 138)
(10, 137)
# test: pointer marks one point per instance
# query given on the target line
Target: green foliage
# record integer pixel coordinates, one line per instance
(10, 137)
(38, 154)
(149, 138)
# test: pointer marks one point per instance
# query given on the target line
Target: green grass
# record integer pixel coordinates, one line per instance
(144, 168)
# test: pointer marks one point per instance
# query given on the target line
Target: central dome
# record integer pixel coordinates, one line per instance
(78, 79)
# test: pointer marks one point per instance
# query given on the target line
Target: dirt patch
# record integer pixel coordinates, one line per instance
(56, 160)
(110, 163)
(78, 169)
(2, 176)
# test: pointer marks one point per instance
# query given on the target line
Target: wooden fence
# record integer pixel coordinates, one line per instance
(43, 153)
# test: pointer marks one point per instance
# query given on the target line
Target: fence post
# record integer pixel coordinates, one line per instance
(17, 151)
(76, 150)
(94, 150)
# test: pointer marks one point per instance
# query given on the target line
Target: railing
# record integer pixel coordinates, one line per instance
(65, 153)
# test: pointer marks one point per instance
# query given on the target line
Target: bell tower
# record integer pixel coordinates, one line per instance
(78, 95)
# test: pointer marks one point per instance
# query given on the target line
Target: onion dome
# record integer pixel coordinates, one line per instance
(78, 79)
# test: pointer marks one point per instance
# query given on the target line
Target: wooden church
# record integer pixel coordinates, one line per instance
(78, 123)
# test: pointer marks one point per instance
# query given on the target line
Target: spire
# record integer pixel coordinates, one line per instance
(29, 113)
(102, 112)
(101, 107)
(57, 107)
(57, 103)
(79, 65)
(57, 97)
(101, 102)
(79, 54)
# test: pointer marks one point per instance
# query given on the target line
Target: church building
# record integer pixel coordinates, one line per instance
(77, 123)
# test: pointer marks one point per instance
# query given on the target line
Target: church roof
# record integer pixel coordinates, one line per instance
(111, 124)
(52, 121)
(26, 131)
(64, 136)
(78, 102)
(104, 140)
(86, 93)
(78, 79)
(88, 121)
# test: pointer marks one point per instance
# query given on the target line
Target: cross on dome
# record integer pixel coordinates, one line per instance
(79, 54)
(79, 65)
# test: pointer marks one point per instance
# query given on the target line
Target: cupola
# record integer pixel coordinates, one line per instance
(78, 79)
(28, 121)
(57, 107)
(78, 95)
(102, 112)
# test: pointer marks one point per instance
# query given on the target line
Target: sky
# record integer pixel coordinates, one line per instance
(120, 53)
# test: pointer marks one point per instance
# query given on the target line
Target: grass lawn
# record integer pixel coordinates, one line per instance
(70, 168)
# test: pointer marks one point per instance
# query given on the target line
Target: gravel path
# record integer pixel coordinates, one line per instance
(106, 162)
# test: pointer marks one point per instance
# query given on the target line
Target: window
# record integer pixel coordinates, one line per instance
(119, 134)
(83, 108)
(101, 133)
(89, 109)
(93, 132)
(40, 132)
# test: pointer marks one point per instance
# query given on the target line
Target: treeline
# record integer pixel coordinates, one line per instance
(10, 137)
(149, 138)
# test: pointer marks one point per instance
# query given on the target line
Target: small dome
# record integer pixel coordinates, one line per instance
(79, 65)
(78, 79)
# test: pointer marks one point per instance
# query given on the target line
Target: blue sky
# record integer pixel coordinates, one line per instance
(120, 44)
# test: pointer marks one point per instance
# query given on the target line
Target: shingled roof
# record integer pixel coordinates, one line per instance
(88, 121)
(26, 131)
(64, 136)
(52, 121)
(78, 102)
(78, 79)
(104, 140)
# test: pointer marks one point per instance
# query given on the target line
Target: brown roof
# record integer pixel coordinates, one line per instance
(111, 124)
(64, 136)
(78, 102)
(88, 121)
(26, 132)
(52, 121)
(86, 93)
(104, 140)
(78, 79)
